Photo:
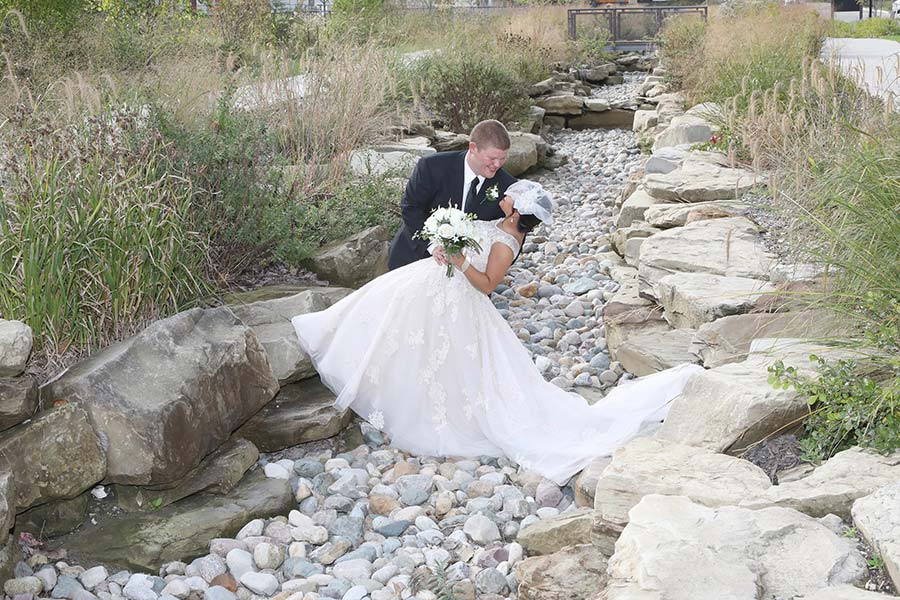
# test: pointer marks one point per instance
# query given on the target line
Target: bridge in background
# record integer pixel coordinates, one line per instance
(627, 27)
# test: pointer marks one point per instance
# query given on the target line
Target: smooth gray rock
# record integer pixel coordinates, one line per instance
(355, 261)
(15, 347)
(18, 400)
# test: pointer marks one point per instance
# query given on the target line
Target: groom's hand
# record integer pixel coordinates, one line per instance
(440, 256)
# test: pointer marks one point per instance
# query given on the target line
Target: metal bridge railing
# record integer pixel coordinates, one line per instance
(630, 24)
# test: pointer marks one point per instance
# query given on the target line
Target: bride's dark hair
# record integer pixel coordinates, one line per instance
(525, 225)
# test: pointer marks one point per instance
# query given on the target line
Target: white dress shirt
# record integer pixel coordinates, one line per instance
(467, 181)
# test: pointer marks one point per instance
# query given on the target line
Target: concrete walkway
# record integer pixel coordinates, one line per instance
(872, 62)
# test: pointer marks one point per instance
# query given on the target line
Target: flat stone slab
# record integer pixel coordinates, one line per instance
(741, 553)
(843, 592)
(700, 181)
(692, 299)
(627, 315)
(666, 216)
(730, 247)
(270, 320)
(877, 517)
(727, 408)
(181, 531)
(301, 412)
(561, 105)
(832, 487)
(218, 473)
(657, 351)
(375, 163)
(727, 340)
(619, 237)
(652, 466)
(614, 118)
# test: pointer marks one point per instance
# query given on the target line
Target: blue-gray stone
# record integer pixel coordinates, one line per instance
(348, 526)
(335, 589)
(394, 528)
(600, 362)
(300, 568)
(217, 592)
(321, 483)
(22, 570)
(66, 587)
(308, 467)
(369, 553)
(581, 286)
(546, 291)
(390, 545)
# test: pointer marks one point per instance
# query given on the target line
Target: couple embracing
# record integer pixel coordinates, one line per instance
(427, 358)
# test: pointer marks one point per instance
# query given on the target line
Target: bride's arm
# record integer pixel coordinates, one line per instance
(499, 260)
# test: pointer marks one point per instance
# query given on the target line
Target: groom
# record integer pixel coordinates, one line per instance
(472, 180)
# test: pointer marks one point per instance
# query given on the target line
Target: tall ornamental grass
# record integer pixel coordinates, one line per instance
(94, 236)
(831, 150)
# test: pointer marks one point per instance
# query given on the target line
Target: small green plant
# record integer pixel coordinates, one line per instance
(436, 581)
(850, 532)
(876, 562)
(848, 406)
(156, 502)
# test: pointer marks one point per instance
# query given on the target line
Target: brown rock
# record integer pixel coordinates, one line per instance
(381, 504)
(226, 580)
(529, 290)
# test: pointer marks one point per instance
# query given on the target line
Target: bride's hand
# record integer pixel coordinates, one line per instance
(440, 256)
(457, 259)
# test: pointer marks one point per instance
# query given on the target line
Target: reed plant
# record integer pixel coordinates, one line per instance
(94, 235)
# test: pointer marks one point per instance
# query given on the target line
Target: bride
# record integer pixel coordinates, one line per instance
(428, 360)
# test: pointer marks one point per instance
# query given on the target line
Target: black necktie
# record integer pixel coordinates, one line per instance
(470, 197)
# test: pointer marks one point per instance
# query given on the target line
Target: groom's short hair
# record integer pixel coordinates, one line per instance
(490, 134)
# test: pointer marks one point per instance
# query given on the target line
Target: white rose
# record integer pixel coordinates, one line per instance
(446, 231)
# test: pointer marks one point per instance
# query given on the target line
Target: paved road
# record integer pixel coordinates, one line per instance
(874, 62)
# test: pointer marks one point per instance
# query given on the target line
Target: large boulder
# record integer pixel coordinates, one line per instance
(692, 299)
(218, 473)
(877, 518)
(18, 400)
(270, 320)
(730, 247)
(619, 237)
(553, 534)
(656, 351)
(674, 548)
(573, 573)
(523, 152)
(652, 466)
(627, 315)
(167, 397)
(355, 261)
(685, 129)
(728, 408)
(419, 145)
(728, 339)
(614, 118)
(57, 455)
(586, 482)
(700, 181)
(301, 412)
(181, 531)
(15, 347)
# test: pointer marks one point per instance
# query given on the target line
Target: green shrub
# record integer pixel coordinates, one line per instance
(95, 233)
(849, 405)
(468, 84)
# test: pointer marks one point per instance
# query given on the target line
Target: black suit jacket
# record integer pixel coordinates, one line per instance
(437, 182)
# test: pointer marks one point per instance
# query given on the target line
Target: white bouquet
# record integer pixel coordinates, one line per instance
(452, 229)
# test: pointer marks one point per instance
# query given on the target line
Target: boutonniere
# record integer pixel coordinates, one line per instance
(492, 194)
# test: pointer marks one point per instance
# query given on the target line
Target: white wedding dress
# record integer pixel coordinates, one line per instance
(430, 361)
